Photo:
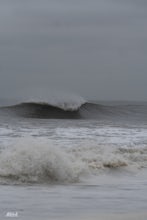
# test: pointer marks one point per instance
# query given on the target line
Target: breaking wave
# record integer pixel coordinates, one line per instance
(39, 161)
(75, 110)
(32, 161)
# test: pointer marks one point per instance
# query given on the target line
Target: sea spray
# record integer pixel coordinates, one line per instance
(36, 160)
(30, 160)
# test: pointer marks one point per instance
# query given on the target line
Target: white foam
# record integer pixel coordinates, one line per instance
(62, 100)
(105, 135)
(31, 160)
(36, 160)
(5, 131)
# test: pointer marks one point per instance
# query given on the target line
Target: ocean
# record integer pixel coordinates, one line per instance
(73, 160)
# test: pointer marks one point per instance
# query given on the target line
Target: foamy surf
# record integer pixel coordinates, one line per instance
(31, 160)
(37, 161)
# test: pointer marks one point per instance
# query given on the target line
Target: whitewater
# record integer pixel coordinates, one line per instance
(73, 160)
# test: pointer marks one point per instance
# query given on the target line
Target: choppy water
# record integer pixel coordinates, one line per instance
(57, 168)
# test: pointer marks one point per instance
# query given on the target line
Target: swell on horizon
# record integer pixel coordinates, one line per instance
(83, 110)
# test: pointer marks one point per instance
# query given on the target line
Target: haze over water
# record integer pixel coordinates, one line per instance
(93, 48)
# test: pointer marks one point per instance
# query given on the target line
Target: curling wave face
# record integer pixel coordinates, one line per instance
(79, 110)
(38, 161)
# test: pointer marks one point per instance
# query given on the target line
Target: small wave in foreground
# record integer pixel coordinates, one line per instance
(38, 161)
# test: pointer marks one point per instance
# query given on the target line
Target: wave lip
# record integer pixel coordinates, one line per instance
(42, 110)
(79, 110)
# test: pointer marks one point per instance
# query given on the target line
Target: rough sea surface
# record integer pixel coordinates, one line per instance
(77, 161)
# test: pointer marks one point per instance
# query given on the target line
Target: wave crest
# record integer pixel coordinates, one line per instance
(39, 161)
(30, 161)
(75, 110)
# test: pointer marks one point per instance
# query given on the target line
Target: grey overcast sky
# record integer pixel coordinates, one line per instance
(95, 48)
